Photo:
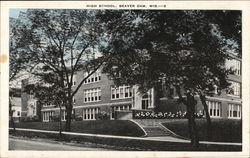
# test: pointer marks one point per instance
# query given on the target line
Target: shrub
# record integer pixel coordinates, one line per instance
(55, 118)
(163, 115)
(78, 118)
(30, 119)
(103, 116)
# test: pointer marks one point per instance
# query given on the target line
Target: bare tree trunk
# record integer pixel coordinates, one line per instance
(157, 98)
(68, 116)
(60, 123)
(209, 123)
(191, 121)
(190, 104)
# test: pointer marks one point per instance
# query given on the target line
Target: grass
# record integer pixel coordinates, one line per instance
(125, 144)
(108, 127)
(223, 130)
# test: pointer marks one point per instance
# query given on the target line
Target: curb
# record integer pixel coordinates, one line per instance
(174, 134)
(145, 133)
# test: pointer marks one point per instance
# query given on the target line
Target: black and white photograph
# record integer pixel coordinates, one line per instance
(126, 78)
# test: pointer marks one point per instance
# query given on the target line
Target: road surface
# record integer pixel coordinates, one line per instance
(40, 144)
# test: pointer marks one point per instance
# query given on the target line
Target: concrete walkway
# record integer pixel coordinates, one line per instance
(163, 138)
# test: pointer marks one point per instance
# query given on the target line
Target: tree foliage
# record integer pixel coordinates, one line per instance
(183, 49)
(62, 42)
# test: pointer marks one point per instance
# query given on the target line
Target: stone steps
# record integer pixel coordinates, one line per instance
(155, 131)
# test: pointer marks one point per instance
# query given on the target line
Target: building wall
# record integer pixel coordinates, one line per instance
(223, 98)
(29, 104)
(166, 103)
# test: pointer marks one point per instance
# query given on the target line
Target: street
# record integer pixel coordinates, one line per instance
(40, 144)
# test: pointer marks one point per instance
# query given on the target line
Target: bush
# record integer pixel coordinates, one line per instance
(165, 115)
(78, 118)
(103, 116)
(55, 118)
(35, 119)
(30, 119)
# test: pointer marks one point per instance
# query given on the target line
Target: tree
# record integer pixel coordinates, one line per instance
(184, 49)
(48, 93)
(18, 62)
(63, 42)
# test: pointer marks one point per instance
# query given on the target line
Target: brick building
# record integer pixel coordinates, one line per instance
(221, 104)
(99, 94)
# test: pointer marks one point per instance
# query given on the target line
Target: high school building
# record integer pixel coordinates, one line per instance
(98, 94)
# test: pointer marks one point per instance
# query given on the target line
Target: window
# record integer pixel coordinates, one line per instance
(63, 115)
(90, 113)
(214, 108)
(92, 95)
(31, 95)
(47, 115)
(145, 101)
(18, 113)
(121, 92)
(235, 65)
(234, 89)
(234, 111)
(96, 77)
(74, 80)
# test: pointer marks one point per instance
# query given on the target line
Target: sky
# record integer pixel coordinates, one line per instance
(15, 12)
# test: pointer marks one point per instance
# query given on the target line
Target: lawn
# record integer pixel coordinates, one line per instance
(223, 130)
(108, 127)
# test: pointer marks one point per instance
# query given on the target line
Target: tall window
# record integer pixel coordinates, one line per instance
(47, 115)
(90, 113)
(214, 108)
(74, 80)
(235, 65)
(234, 111)
(92, 95)
(63, 115)
(95, 77)
(31, 95)
(234, 89)
(145, 101)
(121, 92)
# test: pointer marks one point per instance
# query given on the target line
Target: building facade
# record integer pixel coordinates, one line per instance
(99, 94)
(221, 104)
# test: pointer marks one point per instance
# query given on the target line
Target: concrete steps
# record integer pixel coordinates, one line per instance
(153, 128)
(154, 131)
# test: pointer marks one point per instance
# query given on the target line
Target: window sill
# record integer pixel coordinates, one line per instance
(92, 102)
(92, 82)
(235, 96)
(121, 98)
(235, 118)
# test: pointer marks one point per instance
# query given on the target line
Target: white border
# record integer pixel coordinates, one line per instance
(232, 5)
